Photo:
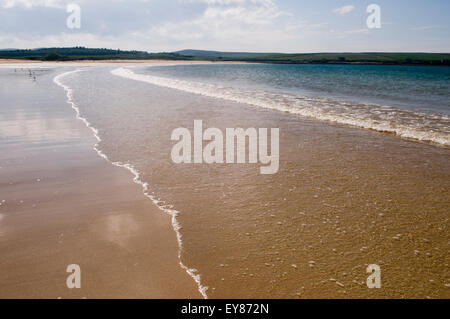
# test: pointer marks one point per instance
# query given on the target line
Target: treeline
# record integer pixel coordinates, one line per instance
(82, 53)
(359, 58)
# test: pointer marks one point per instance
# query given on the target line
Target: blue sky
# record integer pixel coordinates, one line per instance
(229, 25)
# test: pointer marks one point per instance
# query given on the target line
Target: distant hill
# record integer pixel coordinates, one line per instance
(82, 53)
(219, 55)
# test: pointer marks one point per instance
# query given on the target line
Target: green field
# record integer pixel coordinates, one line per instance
(298, 58)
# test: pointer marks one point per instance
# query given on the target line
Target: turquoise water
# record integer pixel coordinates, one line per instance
(412, 102)
(407, 87)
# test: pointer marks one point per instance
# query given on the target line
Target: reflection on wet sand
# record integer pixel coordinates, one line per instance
(62, 204)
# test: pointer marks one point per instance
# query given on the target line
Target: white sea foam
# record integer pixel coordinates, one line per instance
(427, 127)
(169, 209)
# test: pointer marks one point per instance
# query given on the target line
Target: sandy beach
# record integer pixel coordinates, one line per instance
(62, 204)
(344, 198)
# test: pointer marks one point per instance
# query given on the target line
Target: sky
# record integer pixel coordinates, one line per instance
(289, 26)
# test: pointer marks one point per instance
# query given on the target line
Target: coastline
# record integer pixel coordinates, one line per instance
(5, 61)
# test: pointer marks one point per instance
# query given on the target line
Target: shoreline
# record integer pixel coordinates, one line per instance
(121, 232)
(405, 133)
(167, 210)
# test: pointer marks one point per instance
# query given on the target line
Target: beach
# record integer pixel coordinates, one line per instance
(86, 179)
(63, 204)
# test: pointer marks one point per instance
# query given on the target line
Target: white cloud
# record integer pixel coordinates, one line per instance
(225, 22)
(131, 42)
(32, 3)
(356, 31)
(344, 10)
(426, 27)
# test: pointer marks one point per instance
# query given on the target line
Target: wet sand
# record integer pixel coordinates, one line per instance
(61, 204)
(343, 198)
